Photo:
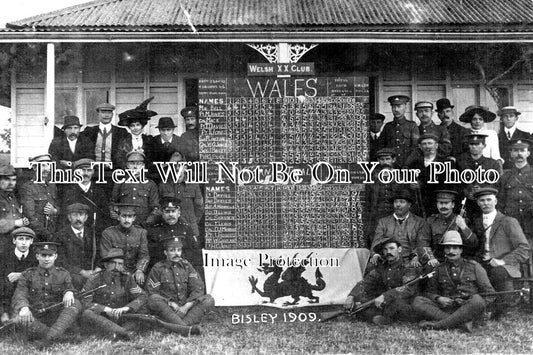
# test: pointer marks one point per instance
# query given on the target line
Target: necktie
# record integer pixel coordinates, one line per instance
(166, 144)
(400, 220)
(79, 235)
(23, 257)
(508, 135)
(104, 137)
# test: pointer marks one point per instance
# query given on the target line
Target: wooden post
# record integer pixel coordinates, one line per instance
(49, 105)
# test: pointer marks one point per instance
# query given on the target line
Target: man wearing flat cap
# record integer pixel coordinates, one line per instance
(129, 237)
(446, 220)
(40, 287)
(11, 216)
(508, 131)
(515, 198)
(385, 284)
(39, 198)
(79, 252)
(143, 194)
(474, 159)
(176, 291)
(14, 260)
(456, 131)
(410, 230)
(452, 297)
(375, 138)
(189, 144)
(502, 245)
(424, 112)
(71, 146)
(400, 134)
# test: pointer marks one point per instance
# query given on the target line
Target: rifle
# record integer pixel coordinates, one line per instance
(51, 307)
(521, 292)
(461, 213)
(151, 319)
(325, 316)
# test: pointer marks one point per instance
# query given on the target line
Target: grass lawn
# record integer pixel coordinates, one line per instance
(512, 334)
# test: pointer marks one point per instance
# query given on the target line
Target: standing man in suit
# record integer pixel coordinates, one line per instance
(509, 117)
(105, 139)
(166, 142)
(375, 122)
(456, 131)
(71, 146)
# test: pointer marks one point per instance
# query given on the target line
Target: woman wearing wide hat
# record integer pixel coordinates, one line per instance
(477, 116)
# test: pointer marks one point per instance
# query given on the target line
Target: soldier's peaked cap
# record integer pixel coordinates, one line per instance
(172, 242)
(445, 195)
(398, 99)
(113, 253)
(126, 207)
(46, 248)
(170, 203)
(520, 143)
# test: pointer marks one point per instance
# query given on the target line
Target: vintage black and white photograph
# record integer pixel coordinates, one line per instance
(266, 176)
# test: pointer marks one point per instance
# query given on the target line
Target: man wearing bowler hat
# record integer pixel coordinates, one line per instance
(166, 142)
(456, 131)
(401, 134)
(375, 138)
(509, 116)
(71, 147)
(190, 138)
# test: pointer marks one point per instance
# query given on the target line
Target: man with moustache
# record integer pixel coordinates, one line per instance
(446, 220)
(472, 160)
(411, 231)
(375, 139)
(71, 147)
(502, 245)
(456, 131)
(384, 284)
(515, 198)
(11, 216)
(401, 134)
(40, 200)
(508, 133)
(189, 139)
(452, 297)
(40, 287)
(176, 291)
(131, 238)
(424, 112)
(78, 248)
(14, 260)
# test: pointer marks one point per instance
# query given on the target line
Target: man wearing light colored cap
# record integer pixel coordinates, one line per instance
(515, 198)
(11, 216)
(71, 146)
(182, 300)
(424, 112)
(502, 244)
(509, 115)
(401, 134)
(40, 200)
(144, 195)
(452, 299)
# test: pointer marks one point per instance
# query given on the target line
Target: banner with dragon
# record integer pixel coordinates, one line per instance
(284, 278)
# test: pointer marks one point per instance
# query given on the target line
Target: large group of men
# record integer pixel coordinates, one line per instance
(465, 242)
(115, 256)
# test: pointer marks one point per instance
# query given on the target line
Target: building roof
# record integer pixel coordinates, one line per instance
(282, 15)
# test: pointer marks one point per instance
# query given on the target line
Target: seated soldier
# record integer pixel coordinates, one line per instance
(452, 299)
(384, 284)
(40, 287)
(176, 291)
(14, 261)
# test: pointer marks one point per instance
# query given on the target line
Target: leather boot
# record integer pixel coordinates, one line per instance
(464, 314)
(428, 309)
(162, 309)
(196, 313)
(67, 316)
(106, 325)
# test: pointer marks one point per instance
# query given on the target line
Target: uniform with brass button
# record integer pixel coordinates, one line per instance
(11, 216)
(176, 291)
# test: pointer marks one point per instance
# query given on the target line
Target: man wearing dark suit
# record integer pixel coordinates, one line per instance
(189, 143)
(509, 117)
(164, 144)
(503, 245)
(456, 131)
(105, 139)
(375, 122)
(71, 146)
(78, 246)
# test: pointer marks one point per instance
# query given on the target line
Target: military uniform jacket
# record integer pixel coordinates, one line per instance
(457, 133)
(516, 197)
(189, 145)
(413, 235)
(387, 279)
(144, 195)
(33, 198)
(461, 279)
(158, 233)
(445, 144)
(402, 136)
(507, 241)
(76, 254)
(466, 161)
(121, 291)
(503, 142)
(8, 264)
(39, 287)
(133, 243)
(177, 282)
(438, 225)
(10, 211)
(192, 202)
